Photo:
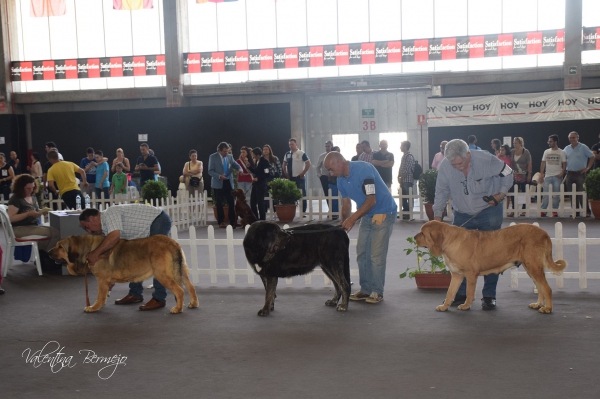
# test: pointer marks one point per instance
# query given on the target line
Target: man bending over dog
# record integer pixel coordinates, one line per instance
(128, 222)
(361, 182)
(467, 176)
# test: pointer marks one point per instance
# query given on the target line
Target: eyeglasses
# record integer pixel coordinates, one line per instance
(465, 188)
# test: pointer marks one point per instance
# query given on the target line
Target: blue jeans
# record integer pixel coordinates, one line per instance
(160, 225)
(553, 181)
(488, 220)
(301, 184)
(371, 252)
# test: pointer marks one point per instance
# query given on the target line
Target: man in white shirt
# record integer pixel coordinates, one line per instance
(554, 162)
(295, 166)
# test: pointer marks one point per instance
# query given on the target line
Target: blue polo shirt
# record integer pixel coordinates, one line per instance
(352, 186)
(577, 158)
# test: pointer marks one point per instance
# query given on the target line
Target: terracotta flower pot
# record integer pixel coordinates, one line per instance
(437, 280)
(285, 213)
(595, 205)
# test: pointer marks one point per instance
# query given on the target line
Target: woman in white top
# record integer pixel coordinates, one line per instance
(192, 172)
(120, 158)
(36, 167)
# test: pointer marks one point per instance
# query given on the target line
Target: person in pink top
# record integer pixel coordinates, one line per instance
(504, 154)
(244, 176)
(437, 159)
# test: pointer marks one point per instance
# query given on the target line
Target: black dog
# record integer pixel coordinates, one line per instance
(274, 253)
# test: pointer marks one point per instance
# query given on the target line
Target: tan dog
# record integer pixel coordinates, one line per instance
(472, 253)
(129, 261)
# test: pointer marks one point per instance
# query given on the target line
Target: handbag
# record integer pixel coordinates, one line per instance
(194, 181)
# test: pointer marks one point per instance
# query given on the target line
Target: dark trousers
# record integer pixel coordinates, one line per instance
(578, 179)
(70, 198)
(325, 183)
(257, 200)
(5, 191)
(301, 184)
(224, 195)
(406, 203)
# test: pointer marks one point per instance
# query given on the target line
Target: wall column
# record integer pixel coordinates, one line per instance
(573, 27)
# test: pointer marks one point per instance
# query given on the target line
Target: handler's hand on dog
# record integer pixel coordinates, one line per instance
(92, 259)
(348, 224)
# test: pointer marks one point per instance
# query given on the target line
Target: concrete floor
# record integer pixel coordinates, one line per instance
(400, 348)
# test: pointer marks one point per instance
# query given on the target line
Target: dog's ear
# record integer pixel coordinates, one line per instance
(435, 237)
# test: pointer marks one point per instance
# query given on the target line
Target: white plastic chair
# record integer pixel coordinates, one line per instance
(12, 242)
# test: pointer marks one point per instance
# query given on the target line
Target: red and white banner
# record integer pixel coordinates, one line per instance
(515, 108)
(144, 65)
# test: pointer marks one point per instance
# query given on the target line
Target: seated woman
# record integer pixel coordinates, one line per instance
(24, 211)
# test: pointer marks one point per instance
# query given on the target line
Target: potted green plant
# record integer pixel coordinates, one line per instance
(154, 190)
(285, 195)
(592, 188)
(223, 202)
(436, 276)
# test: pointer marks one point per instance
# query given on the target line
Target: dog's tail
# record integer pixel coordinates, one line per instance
(550, 264)
(179, 265)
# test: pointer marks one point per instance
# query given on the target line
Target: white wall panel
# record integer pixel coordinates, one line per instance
(90, 28)
(202, 25)
(117, 31)
(270, 74)
(147, 81)
(485, 17)
(65, 84)
(299, 73)
(551, 59)
(262, 24)
(551, 14)
(354, 70)
(519, 61)
(452, 65)
(145, 29)
(417, 19)
(321, 22)
(124, 82)
(231, 25)
(519, 15)
(204, 78)
(93, 84)
(422, 66)
(477, 64)
(36, 34)
(291, 23)
(385, 20)
(353, 21)
(323, 72)
(63, 34)
(233, 77)
(591, 12)
(450, 18)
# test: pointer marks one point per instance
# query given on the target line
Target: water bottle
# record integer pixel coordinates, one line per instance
(78, 202)
(87, 201)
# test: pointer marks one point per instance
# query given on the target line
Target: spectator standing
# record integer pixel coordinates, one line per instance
(295, 166)
(579, 161)
(119, 183)
(260, 170)
(35, 170)
(405, 176)
(244, 178)
(192, 174)
(120, 159)
(466, 176)
(220, 168)
(63, 173)
(274, 164)
(102, 185)
(521, 165)
(6, 176)
(504, 155)
(596, 151)
(376, 209)
(146, 164)
(496, 146)
(437, 159)
(554, 163)
(88, 164)
(15, 163)
(367, 154)
(51, 146)
(322, 173)
(383, 160)
(473, 143)
(332, 184)
(359, 150)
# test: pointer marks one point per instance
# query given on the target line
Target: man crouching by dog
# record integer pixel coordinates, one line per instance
(467, 176)
(360, 182)
(128, 222)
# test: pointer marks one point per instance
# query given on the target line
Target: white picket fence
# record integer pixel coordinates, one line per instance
(208, 266)
(582, 241)
(533, 209)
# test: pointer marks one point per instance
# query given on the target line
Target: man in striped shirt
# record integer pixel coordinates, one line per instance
(405, 176)
(128, 222)
(367, 154)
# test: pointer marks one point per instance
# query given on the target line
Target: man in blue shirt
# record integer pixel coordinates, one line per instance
(146, 164)
(88, 164)
(579, 161)
(467, 176)
(360, 182)
(473, 143)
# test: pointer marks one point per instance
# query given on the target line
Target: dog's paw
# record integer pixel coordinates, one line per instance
(176, 310)
(331, 302)
(90, 309)
(464, 307)
(441, 308)
(545, 310)
(263, 312)
(342, 308)
(535, 305)
(192, 305)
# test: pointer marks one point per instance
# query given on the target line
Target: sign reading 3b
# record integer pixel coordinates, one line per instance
(368, 121)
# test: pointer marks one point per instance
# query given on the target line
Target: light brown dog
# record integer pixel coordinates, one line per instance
(129, 261)
(242, 210)
(472, 253)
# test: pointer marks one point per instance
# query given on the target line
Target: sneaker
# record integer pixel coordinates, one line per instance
(554, 214)
(488, 303)
(374, 298)
(359, 296)
(543, 214)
